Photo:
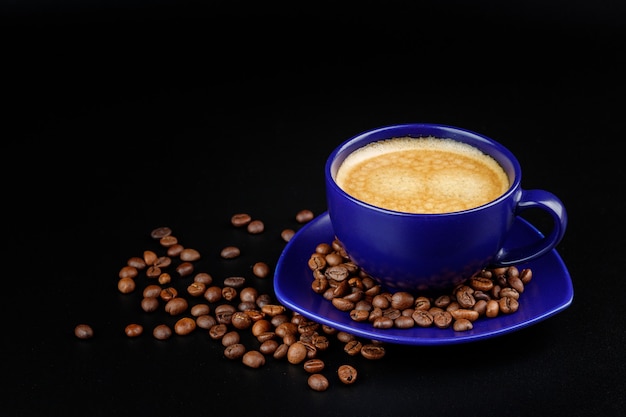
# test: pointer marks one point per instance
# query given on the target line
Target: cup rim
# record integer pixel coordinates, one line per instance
(371, 135)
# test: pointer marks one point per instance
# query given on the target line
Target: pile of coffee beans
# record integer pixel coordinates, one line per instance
(488, 293)
(251, 325)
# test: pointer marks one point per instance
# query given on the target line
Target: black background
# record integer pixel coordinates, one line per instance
(120, 117)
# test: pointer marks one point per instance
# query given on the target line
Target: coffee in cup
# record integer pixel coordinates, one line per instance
(422, 175)
(423, 206)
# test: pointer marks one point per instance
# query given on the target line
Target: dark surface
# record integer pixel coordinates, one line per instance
(124, 117)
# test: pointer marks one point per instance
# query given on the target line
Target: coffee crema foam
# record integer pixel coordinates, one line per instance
(425, 175)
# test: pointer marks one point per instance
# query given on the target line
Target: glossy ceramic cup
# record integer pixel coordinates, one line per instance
(422, 252)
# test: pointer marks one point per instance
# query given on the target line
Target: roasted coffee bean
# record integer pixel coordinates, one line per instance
(164, 278)
(261, 326)
(162, 332)
(313, 366)
(382, 323)
(317, 261)
(373, 351)
(347, 374)
(230, 252)
(480, 307)
(462, 325)
(83, 331)
(402, 299)
(229, 293)
(253, 359)
(248, 294)
(508, 305)
(509, 292)
(526, 275)
(263, 299)
(492, 309)
(281, 351)
(255, 227)
(240, 219)
(205, 321)
(217, 331)
(342, 304)
(126, 285)
(297, 353)
(442, 319)
(268, 347)
(153, 271)
(515, 282)
(337, 272)
(287, 234)
(152, 290)
(240, 320)
(149, 304)
(175, 250)
(200, 310)
(353, 347)
(235, 351)
(176, 306)
(304, 216)
(213, 294)
(480, 283)
(318, 382)
(235, 282)
(224, 313)
(168, 293)
(465, 296)
(422, 318)
(203, 278)
(359, 315)
(128, 272)
(272, 310)
(230, 338)
(167, 241)
(184, 326)
(163, 262)
(185, 269)
(189, 255)
(160, 232)
(133, 330)
(404, 322)
(136, 262)
(150, 257)
(261, 270)
(196, 289)
(464, 313)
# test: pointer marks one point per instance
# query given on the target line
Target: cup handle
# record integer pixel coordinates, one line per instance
(549, 203)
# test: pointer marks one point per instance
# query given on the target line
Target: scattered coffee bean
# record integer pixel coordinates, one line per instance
(162, 332)
(253, 359)
(126, 285)
(240, 219)
(255, 227)
(184, 326)
(133, 330)
(347, 374)
(304, 216)
(287, 234)
(160, 232)
(318, 382)
(83, 331)
(230, 252)
(261, 269)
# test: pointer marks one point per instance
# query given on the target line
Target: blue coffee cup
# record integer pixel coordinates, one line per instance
(422, 252)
